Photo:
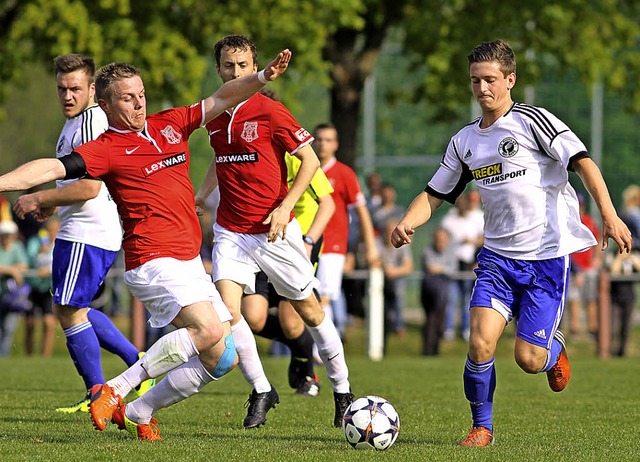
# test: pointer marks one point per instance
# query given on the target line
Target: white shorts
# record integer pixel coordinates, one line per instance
(330, 269)
(166, 285)
(239, 257)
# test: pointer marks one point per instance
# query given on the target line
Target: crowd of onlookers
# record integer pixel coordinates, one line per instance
(446, 266)
(25, 270)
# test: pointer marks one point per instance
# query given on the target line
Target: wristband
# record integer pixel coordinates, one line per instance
(262, 78)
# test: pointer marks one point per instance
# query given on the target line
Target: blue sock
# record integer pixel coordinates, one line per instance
(84, 350)
(552, 355)
(110, 338)
(479, 385)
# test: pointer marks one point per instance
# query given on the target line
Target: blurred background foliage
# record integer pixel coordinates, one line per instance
(413, 51)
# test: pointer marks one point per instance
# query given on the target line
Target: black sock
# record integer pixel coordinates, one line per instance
(272, 329)
(302, 351)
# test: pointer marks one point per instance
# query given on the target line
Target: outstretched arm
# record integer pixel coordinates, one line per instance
(78, 191)
(612, 226)
(34, 173)
(238, 90)
(418, 213)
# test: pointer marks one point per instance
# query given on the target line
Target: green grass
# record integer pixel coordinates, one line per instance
(595, 419)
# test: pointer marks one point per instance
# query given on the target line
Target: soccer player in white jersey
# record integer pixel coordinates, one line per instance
(519, 157)
(90, 234)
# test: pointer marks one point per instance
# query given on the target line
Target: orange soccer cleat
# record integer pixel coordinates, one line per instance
(478, 437)
(558, 376)
(104, 402)
(146, 432)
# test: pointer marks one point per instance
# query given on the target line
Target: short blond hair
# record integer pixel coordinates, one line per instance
(631, 195)
(113, 72)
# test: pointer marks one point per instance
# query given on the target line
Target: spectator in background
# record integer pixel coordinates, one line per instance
(347, 195)
(13, 264)
(623, 296)
(374, 188)
(583, 283)
(40, 254)
(397, 265)
(438, 262)
(631, 211)
(388, 209)
(466, 230)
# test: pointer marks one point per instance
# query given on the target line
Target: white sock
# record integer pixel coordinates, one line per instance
(170, 351)
(128, 380)
(180, 383)
(331, 352)
(248, 358)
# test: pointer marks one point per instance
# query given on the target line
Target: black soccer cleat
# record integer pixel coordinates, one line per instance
(310, 386)
(342, 402)
(259, 404)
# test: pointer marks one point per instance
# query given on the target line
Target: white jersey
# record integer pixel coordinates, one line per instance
(94, 222)
(462, 229)
(519, 165)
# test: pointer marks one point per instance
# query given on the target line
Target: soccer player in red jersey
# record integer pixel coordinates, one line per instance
(144, 162)
(255, 228)
(346, 195)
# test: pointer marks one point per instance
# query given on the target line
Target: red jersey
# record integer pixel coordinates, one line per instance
(346, 194)
(250, 144)
(584, 260)
(147, 174)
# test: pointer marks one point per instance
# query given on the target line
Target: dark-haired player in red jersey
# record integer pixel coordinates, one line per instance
(144, 161)
(255, 228)
(346, 195)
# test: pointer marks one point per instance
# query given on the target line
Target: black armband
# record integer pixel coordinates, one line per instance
(74, 166)
(575, 157)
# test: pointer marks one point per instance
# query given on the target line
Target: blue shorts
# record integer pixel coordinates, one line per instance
(533, 292)
(78, 271)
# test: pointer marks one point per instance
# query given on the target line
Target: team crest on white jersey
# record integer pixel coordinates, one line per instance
(250, 131)
(170, 133)
(508, 147)
(60, 144)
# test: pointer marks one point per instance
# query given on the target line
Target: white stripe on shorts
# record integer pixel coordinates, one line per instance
(73, 270)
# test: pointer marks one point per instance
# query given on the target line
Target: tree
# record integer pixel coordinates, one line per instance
(170, 40)
(599, 39)
(335, 43)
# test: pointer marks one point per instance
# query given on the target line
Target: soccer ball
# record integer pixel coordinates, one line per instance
(371, 422)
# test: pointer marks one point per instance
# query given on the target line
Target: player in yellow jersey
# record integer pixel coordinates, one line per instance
(313, 211)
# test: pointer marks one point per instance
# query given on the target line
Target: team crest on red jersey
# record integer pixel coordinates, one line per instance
(302, 134)
(250, 131)
(170, 133)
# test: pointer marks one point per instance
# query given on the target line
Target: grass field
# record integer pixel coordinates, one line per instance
(595, 419)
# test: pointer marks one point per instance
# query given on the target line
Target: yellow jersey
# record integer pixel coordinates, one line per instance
(307, 206)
